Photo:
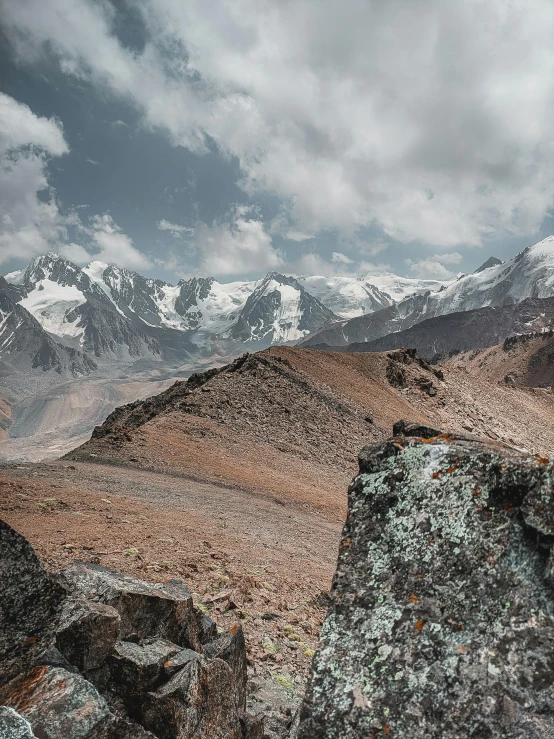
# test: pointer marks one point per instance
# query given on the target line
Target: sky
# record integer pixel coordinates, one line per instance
(237, 137)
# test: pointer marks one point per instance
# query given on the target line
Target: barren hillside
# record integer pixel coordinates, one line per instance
(525, 361)
(289, 422)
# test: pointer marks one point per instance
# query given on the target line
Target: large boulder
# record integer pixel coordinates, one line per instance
(231, 648)
(57, 704)
(441, 621)
(30, 604)
(87, 633)
(147, 610)
(14, 726)
(199, 701)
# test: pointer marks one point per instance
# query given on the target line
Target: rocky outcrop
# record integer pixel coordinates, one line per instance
(442, 612)
(94, 654)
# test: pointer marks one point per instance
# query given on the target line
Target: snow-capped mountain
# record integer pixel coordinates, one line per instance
(347, 297)
(528, 275)
(72, 308)
(278, 311)
(25, 346)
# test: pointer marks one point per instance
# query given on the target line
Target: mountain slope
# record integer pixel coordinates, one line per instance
(279, 310)
(289, 422)
(26, 347)
(528, 275)
(71, 307)
(473, 329)
(526, 360)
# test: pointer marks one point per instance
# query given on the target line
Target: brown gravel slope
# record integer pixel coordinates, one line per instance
(288, 423)
(526, 360)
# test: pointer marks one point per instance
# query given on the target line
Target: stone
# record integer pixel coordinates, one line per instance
(87, 633)
(147, 610)
(179, 660)
(208, 629)
(58, 703)
(199, 701)
(14, 726)
(30, 605)
(136, 669)
(231, 648)
(441, 621)
(252, 726)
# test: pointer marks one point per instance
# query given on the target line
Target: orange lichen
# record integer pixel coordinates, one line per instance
(419, 625)
(413, 598)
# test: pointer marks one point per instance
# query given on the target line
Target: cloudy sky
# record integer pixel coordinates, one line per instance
(235, 137)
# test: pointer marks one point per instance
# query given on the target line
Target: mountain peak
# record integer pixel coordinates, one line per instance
(491, 262)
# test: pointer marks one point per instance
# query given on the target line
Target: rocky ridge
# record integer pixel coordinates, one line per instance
(530, 274)
(93, 653)
(437, 338)
(442, 611)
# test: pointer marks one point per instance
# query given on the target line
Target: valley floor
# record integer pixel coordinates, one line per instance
(245, 556)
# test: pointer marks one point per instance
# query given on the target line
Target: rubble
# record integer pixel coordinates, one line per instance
(99, 655)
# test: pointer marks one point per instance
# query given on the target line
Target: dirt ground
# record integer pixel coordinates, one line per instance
(246, 557)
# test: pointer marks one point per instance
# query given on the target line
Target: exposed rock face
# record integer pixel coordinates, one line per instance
(163, 610)
(442, 614)
(14, 726)
(133, 660)
(30, 603)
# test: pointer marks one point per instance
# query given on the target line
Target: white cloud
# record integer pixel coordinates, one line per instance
(338, 257)
(237, 245)
(93, 162)
(431, 119)
(19, 127)
(75, 253)
(113, 245)
(30, 221)
(174, 229)
(433, 266)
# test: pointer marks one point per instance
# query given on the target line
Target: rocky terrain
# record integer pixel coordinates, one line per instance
(528, 275)
(442, 609)
(525, 360)
(437, 338)
(93, 653)
(297, 414)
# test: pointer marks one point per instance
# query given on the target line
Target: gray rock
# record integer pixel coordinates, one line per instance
(177, 661)
(252, 726)
(208, 629)
(137, 668)
(147, 610)
(14, 726)
(57, 704)
(29, 605)
(441, 623)
(199, 701)
(231, 648)
(87, 633)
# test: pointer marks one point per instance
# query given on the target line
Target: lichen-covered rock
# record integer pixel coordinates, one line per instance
(147, 610)
(199, 701)
(57, 704)
(231, 648)
(441, 624)
(30, 602)
(14, 726)
(87, 633)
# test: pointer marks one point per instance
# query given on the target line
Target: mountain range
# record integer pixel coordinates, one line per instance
(75, 342)
(111, 313)
(528, 275)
